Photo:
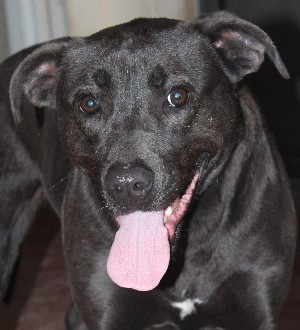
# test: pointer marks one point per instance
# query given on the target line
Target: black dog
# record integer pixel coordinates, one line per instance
(176, 210)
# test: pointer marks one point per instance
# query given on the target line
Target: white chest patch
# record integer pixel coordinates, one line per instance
(186, 307)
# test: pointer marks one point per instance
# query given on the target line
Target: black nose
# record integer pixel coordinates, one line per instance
(129, 187)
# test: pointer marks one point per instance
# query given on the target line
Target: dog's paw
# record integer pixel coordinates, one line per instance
(73, 320)
(163, 326)
(212, 328)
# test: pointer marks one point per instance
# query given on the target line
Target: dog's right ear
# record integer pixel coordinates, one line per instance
(36, 77)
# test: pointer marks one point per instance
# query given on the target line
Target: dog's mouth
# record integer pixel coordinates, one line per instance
(175, 212)
(140, 253)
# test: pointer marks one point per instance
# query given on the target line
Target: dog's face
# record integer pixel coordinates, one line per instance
(146, 100)
(147, 109)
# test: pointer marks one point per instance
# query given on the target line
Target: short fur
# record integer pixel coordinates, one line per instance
(233, 250)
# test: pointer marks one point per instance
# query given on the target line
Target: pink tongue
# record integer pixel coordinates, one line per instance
(140, 253)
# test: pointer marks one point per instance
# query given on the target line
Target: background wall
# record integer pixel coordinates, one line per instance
(27, 22)
(3, 33)
(85, 17)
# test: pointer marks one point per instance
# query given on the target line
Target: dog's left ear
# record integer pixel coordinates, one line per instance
(241, 46)
(36, 77)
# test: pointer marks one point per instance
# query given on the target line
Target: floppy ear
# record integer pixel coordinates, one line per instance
(36, 77)
(241, 46)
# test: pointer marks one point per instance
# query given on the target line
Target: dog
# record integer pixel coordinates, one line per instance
(175, 206)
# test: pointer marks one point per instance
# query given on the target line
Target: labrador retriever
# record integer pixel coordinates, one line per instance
(175, 206)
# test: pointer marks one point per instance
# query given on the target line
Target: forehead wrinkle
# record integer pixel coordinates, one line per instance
(129, 84)
(157, 77)
(102, 78)
(126, 69)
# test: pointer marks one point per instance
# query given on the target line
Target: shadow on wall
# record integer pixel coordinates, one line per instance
(280, 99)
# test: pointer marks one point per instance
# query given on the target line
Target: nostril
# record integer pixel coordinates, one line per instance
(138, 186)
(117, 189)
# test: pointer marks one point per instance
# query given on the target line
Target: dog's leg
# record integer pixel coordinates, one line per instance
(240, 302)
(21, 194)
(73, 320)
(163, 326)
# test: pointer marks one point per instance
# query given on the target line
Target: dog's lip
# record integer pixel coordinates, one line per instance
(174, 213)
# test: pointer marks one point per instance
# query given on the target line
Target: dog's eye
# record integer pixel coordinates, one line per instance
(89, 104)
(178, 97)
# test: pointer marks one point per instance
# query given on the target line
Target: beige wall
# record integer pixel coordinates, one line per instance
(3, 34)
(86, 17)
(23, 23)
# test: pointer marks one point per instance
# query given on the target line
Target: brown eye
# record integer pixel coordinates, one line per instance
(89, 105)
(178, 97)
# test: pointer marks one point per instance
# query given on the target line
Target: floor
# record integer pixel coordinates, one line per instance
(42, 294)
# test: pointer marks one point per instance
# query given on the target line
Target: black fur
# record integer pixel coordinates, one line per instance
(235, 246)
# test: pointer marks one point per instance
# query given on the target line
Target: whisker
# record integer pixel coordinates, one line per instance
(98, 150)
(63, 179)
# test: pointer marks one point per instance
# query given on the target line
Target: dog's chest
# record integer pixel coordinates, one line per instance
(186, 299)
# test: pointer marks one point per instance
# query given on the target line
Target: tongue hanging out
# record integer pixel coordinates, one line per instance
(140, 254)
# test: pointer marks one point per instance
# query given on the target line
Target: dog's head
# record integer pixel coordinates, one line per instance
(148, 110)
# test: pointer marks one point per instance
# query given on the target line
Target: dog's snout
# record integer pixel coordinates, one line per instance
(129, 187)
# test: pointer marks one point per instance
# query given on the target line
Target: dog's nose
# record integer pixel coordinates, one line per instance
(129, 187)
